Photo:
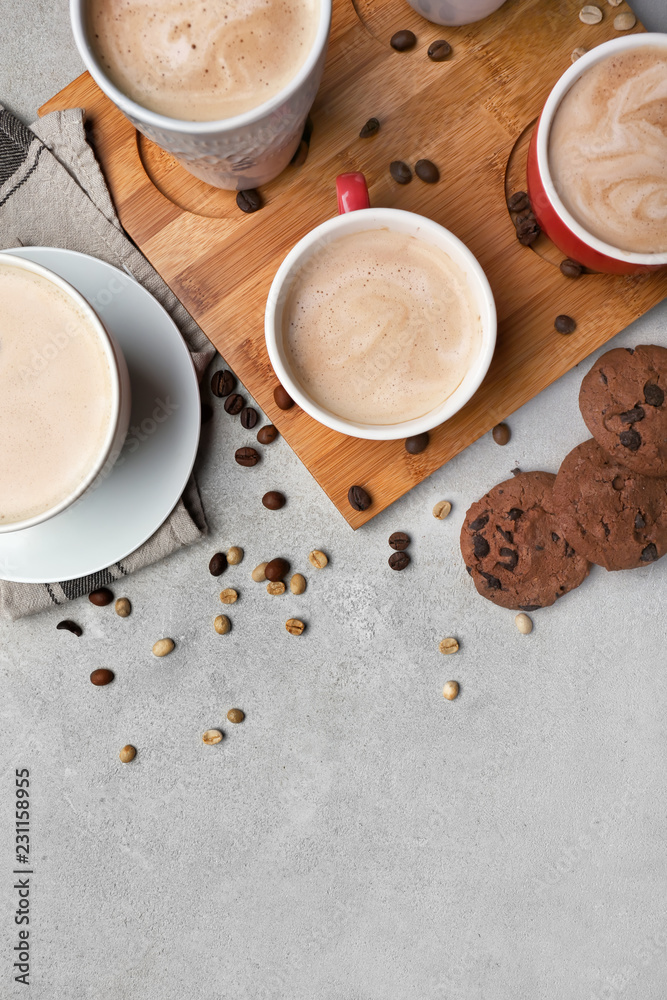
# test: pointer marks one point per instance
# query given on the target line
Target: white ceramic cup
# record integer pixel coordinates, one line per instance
(120, 395)
(234, 153)
(455, 12)
(355, 219)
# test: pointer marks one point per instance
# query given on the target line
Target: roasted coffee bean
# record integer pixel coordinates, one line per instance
(418, 443)
(267, 434)
(283, 399)
(427, 171)
(491, 581)
(403, 40)
(501, 434)
(653, 394)
(480, 522)
(218, 564)
(439, 50)
(101, 677)
(649, 554)
(100, 598)
(528, 232)
(399, 541)
(206, 413)
(358, 498)
(234, 404)
(565, 324)
(633, 416)
(273, 500)
(570, 268)
(515, 513)
(301, 154)
(222, 383)
(248, 417)
(70, 626)
(518, 202)
(480, 546)
(276, 569)
(246, 457)
(399, 560)
(249, 201)
(630, 439)
(400, 172)
(372, 127)
(639, 521)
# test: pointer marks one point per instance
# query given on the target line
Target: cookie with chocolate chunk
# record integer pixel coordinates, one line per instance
(623, 400)
(513, 546)
(613, 516)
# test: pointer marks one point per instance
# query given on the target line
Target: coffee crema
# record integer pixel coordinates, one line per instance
(608, 150)
(55, 395)
(380, 327)
(199, 61)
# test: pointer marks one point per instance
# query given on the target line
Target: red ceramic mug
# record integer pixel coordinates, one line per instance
(554, 219)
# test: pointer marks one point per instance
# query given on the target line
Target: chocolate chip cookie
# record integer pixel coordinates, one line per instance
(623, 400)
(513, 546)
(613, 516)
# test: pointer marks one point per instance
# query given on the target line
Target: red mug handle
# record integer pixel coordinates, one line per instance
(352, 192)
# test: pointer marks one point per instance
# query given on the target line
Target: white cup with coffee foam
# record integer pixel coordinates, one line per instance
(65, 395)
(308, 262)
(236, 151)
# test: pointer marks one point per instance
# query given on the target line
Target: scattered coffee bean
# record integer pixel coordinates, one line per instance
(267, 434)
(127, 754)
(448, 646)
(249, 201)
(625, 21)
(653, 394)
(248, 417)
(259, 573)
(399, 541)
(229, 595)
(206, 413)
(294, 626)
(527, 232)
(70, 626)
(222, 624)
(399, 560)
(301, 154)
(247, 457)
(282, 398)
(516, 471)
(234, 555)
(273, 500)
(403, 40)
(101, 677)
(524, 624)
(451, 690)
(439, 50)
(565, 324)
(276, 569)
(501, 434)
(163, 647)
(234, 404)
(223, 383)
(100, 598)
(297, 584)
(570, 268)
(211, 737)
(518, 202)
(418, 443)
(218, 564)
(590, 14)
(630, 439)
(276, 588)
(578, 53)
(442, 509)
(317, 559)
(649, 554)
(236, 715)
(427, 171)
(358, 498)
(400, 172)
(372, 127)
(123, 607)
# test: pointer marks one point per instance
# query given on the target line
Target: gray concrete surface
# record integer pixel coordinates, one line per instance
(357, 838)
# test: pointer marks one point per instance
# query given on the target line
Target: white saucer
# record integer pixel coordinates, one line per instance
(148, 479)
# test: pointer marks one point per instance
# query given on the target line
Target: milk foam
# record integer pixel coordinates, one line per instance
(202, 60)
(608, 150)
(55, 395)
(380, 327)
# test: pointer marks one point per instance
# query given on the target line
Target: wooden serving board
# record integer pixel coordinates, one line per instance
(471, 115)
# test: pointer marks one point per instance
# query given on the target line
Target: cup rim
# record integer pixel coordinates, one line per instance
(377, 218)
(158, 121)
(558, 92)
(103, 337)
